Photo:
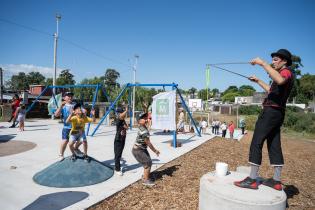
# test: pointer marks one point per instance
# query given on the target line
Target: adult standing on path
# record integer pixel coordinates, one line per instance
(270, 120)
(120, 137)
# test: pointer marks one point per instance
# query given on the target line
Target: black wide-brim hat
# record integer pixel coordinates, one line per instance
(284, 54)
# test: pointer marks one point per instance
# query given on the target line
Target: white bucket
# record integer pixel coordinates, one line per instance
(221, 169)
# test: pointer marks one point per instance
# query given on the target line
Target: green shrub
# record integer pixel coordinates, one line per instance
(250, 110)
(300, 121)
(250, 121)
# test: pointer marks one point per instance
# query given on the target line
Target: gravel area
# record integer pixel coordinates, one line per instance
(177, 182)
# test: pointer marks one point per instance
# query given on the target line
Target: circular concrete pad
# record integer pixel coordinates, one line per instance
(221, 193)
(73, 174)
(14, 147)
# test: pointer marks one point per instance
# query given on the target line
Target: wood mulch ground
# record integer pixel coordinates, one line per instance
(177, 182)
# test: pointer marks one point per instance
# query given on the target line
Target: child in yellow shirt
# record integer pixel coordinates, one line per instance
(78, 120)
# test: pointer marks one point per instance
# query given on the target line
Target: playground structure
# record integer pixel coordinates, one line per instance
(127, 87)
(98, 87)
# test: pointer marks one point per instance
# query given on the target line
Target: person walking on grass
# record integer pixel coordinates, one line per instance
(140, 152)
(78, 119)
(270, 120)
(120, 137)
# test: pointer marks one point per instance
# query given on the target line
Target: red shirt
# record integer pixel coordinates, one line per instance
(279, 94)
(15, 105)
(231, 127)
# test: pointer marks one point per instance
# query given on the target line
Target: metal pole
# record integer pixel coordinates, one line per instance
(58, 17)
(237, 116)
(134, 88)
(1, 86)
(174, 132)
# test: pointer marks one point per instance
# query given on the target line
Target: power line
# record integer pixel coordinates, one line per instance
(92, 52)
(26, 27)
(65, 40)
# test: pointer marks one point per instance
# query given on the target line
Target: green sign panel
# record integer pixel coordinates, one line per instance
(162, 107)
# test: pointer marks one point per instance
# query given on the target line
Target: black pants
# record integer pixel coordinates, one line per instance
(267, 127)
(119, 145)
(223, 133)
(217, 129)
(243, 129)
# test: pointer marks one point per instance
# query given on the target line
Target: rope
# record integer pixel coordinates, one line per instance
(241, 75)
(229, 63)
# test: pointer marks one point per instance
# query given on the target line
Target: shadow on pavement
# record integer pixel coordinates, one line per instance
(6, 138)
(56, 201)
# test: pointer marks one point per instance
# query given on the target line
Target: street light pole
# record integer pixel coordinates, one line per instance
(134, 88)
(1, 86)
(58, 17)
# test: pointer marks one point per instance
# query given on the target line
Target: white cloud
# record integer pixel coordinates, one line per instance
(12, 69)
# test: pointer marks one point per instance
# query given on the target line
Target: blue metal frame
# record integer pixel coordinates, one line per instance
(186, 108)
(93, 104)
(128, 85)
(110, 109)
(97, 87)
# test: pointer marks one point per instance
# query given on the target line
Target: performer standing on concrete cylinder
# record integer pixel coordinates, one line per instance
(270, 120)
(120, 138)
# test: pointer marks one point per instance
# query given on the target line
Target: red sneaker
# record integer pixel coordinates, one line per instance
(273, 184)
(247, 183)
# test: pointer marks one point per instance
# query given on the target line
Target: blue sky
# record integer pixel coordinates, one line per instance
(174, 39)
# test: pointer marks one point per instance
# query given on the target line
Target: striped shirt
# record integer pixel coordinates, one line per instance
(143, 133)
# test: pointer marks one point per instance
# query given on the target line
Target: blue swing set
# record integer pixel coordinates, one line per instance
(128, 86)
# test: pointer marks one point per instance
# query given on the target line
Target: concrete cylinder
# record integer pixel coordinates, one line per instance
(220, 193)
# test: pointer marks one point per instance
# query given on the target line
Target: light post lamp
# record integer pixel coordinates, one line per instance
(58, 17)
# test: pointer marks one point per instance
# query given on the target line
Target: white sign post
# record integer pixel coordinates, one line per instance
(163, 111)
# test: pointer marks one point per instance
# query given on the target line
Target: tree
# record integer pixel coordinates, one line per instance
(215, 92)
(111, 76)
(144, 97)
(35, 78)
(307, 87)
(246, 90)
(231, 89)
(110, 81)
(87, 94)
(22, 81)
(65, 78)
(295, 67)
(192, 92)
(202, 94)
(48, 81)
(230, 97)
(18, 82)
